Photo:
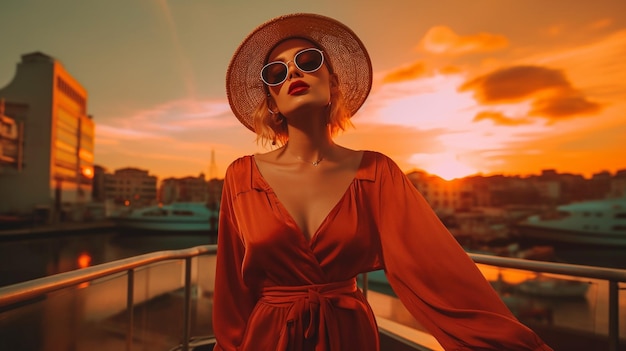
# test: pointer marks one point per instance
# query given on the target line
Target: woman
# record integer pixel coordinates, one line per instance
(299, 223)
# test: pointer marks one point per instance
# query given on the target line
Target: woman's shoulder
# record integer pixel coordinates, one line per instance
(380, 158)
(239, 166)
(267, 157)
(240, 161)
(381, 164)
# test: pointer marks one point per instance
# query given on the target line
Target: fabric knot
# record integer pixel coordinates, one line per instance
(314, 300)
(314, 303)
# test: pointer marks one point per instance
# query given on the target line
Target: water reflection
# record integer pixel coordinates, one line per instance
(23, 260)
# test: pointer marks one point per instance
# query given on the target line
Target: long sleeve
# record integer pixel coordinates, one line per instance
(436, 280)
(232, 300)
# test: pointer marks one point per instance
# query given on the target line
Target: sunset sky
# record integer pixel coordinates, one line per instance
(460, 87)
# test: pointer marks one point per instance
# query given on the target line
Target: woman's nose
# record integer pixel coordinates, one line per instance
(292, 70)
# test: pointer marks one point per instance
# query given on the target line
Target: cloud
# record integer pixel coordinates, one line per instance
(451, 69)
(601, 24)
(166, 122)
(513, 84)
(587, 148)
(414, 71)
(499, 118)
(181, 115)
(598, 65)
(172, 137)
(564, 105)
(442, 39)
(551, 94)
(122, 133)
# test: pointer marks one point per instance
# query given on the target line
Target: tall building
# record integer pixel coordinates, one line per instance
(49, 163)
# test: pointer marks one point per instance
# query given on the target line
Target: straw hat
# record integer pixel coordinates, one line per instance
(345, 51)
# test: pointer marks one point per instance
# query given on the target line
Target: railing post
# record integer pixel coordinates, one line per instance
(613, 316)
(187, 305)
(130, 293)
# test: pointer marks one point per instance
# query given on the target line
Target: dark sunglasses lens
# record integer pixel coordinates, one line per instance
(274, 73)
(309, 60)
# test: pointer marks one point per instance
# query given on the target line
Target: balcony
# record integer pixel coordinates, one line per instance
(163, 301)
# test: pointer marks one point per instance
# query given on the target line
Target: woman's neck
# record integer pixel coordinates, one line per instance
(310, 146)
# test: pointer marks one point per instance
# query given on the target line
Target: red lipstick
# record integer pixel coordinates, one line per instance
(297, 87)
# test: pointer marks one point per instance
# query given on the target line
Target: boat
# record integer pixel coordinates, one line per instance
(175, 217)
(553, 287)
(598, 222)
(10, 221)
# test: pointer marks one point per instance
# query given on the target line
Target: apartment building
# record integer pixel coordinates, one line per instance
(46, 162)
(130, 187)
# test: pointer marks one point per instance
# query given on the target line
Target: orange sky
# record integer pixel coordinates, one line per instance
(460, 87)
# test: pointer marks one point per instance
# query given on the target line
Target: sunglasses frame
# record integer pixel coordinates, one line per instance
(286, 64)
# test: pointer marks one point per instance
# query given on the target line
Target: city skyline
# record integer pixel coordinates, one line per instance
(487, 87)
(617, 173)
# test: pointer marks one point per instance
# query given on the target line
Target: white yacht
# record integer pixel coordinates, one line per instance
(175, 217)
(598, 222)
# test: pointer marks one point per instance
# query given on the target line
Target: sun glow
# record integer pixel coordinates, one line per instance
(455, 135)
(445, 165)
(426, 103)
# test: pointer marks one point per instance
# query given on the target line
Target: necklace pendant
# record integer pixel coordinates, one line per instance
(316, 163)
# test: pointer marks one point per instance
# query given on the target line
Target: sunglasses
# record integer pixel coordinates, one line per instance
(307, 61)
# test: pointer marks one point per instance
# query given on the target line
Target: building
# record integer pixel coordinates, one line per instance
(442, 195)
(617, 187)
(130, 187)
(98, 193)
(11, 141)
(187, 189)
(47, 141)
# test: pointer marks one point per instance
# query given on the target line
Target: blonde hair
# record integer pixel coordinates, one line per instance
(272, 127)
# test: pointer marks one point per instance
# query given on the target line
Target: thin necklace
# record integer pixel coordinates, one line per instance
(314, 163)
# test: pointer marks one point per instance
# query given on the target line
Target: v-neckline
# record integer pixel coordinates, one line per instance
(309, 242)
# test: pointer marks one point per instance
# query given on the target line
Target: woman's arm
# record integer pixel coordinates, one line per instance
(232, 299)
(436, 280)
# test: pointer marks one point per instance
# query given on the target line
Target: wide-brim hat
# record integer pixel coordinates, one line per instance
(345, 51)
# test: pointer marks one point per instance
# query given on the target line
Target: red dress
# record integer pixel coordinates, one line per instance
(275, 290)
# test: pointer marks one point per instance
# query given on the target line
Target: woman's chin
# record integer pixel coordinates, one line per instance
(305, 107)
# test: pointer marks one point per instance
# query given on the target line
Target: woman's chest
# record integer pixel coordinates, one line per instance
(264, 220)
(307, 200)
(345, 242)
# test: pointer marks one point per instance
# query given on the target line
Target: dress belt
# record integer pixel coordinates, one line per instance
(319, 302)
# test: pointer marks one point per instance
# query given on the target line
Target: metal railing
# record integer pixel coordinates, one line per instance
(19, 293)
(611, 275)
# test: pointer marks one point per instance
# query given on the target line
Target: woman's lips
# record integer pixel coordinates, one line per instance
(297, 87)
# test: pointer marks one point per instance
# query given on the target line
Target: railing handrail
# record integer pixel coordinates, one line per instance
(36, 287)
(33, 288)
(19, 292)
(575, 270)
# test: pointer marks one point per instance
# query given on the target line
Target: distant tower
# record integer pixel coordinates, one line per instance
(212, 166)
